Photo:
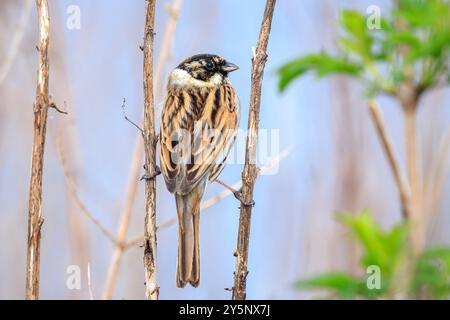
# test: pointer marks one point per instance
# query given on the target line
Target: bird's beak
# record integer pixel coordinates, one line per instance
(229, 67)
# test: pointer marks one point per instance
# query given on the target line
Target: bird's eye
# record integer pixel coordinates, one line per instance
(210, 66)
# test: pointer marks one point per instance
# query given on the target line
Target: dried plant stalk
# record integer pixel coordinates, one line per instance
(152, 288)
(40, 122)
(417, 214)
(377, 119)
(250, 172)
(408, 94)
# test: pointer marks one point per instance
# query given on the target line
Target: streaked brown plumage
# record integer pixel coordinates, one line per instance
(199, 123)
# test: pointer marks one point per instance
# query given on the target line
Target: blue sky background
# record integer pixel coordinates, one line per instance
(294, 233)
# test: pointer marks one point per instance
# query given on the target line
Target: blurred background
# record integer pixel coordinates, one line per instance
(336, 163)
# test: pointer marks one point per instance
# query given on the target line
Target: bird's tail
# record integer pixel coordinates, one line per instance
(188, 208)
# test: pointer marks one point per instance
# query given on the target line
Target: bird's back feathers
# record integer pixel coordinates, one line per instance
(198, 128)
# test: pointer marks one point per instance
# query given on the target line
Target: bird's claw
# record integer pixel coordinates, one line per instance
(238, 195)
(152, 176)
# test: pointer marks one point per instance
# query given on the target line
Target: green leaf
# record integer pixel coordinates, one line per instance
(341, 284)
(353, 47)
(384, 249)
(345, 286)
(354, 23)
(399, 38)
(321, 64)
(364, 229)
(433, 273)
(436, 47)
(422, 13)
(359, 40)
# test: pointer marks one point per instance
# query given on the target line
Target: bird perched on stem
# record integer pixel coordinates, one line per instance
(199, 123)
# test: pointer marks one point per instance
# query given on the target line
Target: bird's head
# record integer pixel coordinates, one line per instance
(202, 70)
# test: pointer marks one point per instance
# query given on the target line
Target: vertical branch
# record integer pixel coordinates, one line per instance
(377, 119)
(417, 219)
(409, 94)
(152, 289)
(250, 172)
(40, 121)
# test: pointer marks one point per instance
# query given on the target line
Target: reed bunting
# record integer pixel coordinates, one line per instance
(199, 123)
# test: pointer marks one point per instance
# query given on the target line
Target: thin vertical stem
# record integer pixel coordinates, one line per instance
(37, 163)
(152, 288)
(417, 229)
(250, 172)
(409, 94)
(402, 186)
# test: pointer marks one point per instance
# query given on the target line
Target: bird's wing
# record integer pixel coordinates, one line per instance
(231, 139)
(197, 127)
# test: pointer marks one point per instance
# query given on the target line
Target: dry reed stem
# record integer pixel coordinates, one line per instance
(417, 217)
(408, 94)
(150, 243)
(250, 171)
(41, 106)
(388, 148)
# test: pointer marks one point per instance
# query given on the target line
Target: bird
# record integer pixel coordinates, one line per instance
(198, 128)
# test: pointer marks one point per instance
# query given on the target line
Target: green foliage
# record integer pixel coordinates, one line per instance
(416, 34)
(433, 273)
(344, 285)
(383, 249)
(321, 64)
(357, 40)
(389, 251)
